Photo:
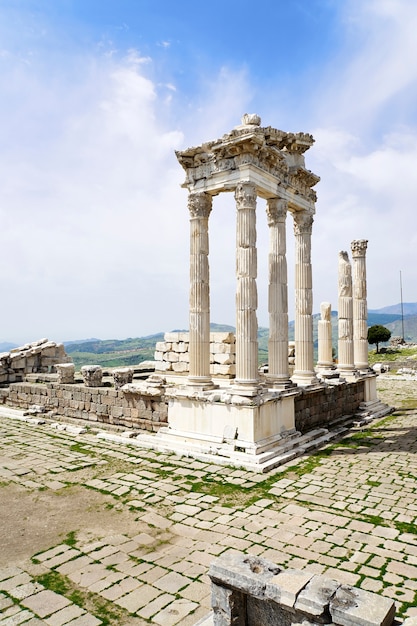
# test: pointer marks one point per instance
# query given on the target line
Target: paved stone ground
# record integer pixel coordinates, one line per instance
(95, 532)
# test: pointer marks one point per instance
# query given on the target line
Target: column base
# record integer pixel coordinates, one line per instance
(327, 373)
(200, 383)
(304, 379)
(273, 382)
(350, 374)
(245, 387)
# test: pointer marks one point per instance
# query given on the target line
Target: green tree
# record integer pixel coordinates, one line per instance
(378, 334)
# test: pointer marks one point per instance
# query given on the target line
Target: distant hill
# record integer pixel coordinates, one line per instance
(409, 308)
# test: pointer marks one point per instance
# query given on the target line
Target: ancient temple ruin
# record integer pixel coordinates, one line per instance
(208, 396)
(252, 419)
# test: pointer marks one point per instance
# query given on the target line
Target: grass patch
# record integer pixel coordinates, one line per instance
(55, 582)
(91, 602)
(70, 539)
(373, 483)
(81, 449)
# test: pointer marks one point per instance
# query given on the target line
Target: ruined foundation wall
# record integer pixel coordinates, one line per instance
(250, 591)
(319, 408)
(94, 404)
(313, 408)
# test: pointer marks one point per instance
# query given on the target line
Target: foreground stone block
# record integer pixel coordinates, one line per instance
(250, 591)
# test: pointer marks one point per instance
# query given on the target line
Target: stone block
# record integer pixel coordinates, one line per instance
(223, 359)
(180, 367)
(224, 370)
(65, 372)
(122, 376)
(223, 348)
(92, 375)
(314, 599)
(357, 607)
(246, 573)
(172, 337)
(224, 337)
(286, 586)
(163, 366)
(229, 606)
(161, 346)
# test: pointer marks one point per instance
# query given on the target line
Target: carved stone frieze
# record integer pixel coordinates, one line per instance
(272, 151)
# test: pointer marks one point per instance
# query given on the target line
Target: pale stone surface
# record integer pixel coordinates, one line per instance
(345, 344)
(45, 602)
(356, 607)
(199, 205)
(360, 306)
(304, 365)
(278, 294)
(246, 290)
(325, 356)
(122, 376)
(65, 373)
(36, 357)
(92, 375)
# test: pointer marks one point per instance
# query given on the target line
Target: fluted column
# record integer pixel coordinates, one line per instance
(199, 205)
(246, 291)
(360, 306)
(276, 210)
(345, 343)
(325, 356)
(304, 357)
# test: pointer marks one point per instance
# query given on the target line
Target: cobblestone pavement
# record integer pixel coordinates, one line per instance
(350, 510)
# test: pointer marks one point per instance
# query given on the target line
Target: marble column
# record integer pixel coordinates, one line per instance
(345, 343)
(325, 356)
(360, 307)
(304, 357)
(199, 205)
(278, 375)
(246, 290)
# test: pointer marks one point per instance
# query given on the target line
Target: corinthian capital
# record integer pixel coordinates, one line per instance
(245, 195)
(303, 223)
(276, 210)
(359, 247)
(199, 204)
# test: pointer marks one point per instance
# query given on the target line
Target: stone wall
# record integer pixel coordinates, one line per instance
(250, 591)
(317, 408)
(130, 408)
(172, 354)
(37, 357)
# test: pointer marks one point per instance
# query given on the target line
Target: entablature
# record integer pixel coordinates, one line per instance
(271, 158)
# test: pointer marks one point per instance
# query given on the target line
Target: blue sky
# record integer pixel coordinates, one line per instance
(96, 96)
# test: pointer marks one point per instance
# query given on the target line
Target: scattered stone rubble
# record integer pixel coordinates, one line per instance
(39, 356)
